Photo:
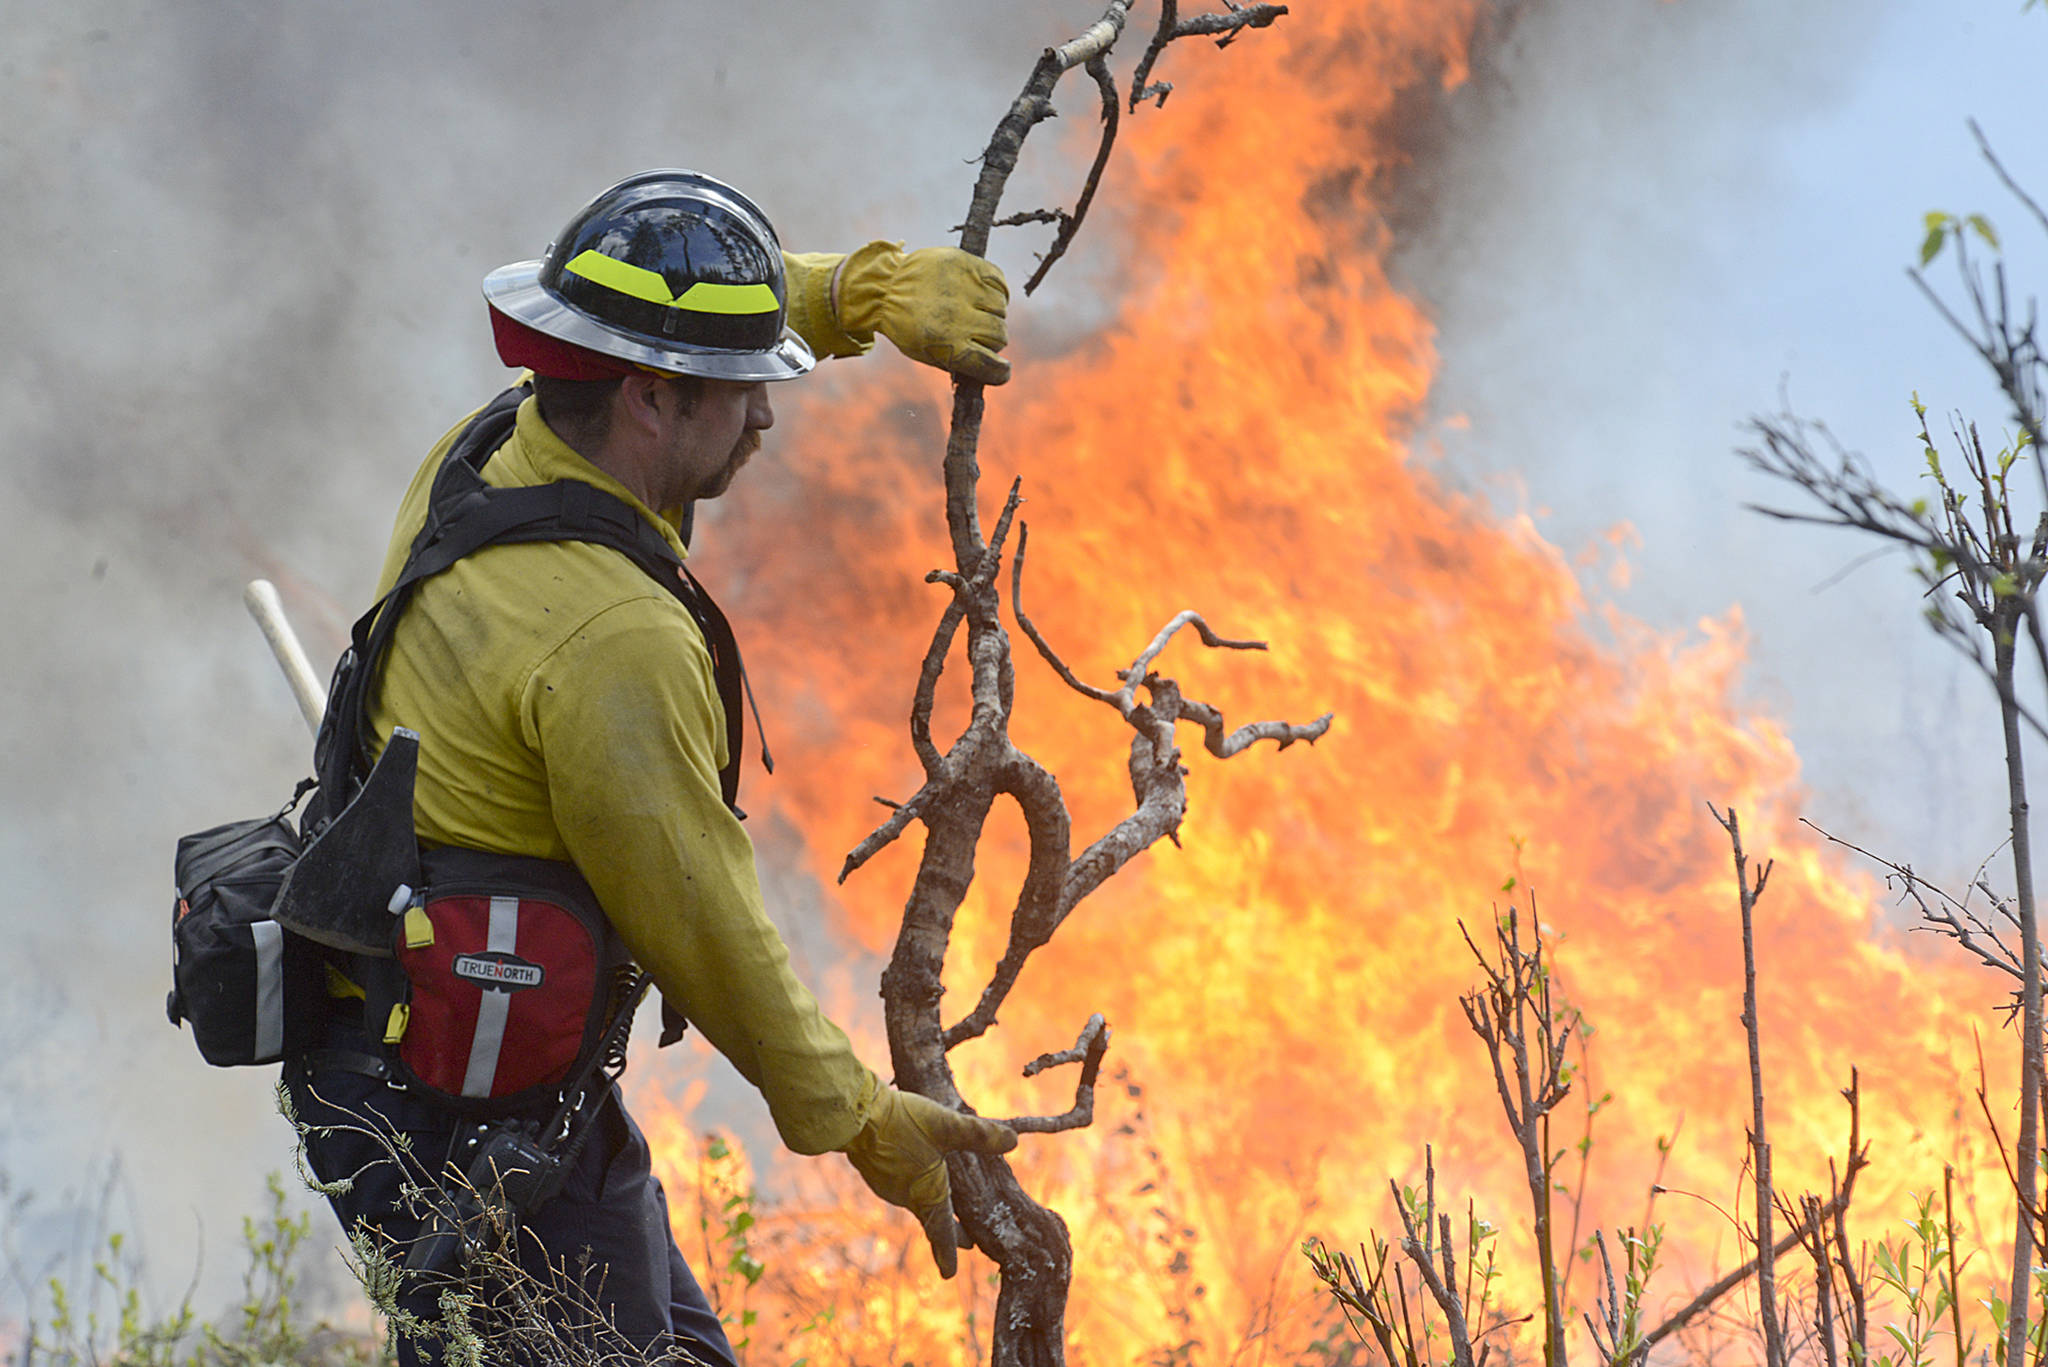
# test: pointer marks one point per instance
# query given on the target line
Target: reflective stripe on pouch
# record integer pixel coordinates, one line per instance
(496, 1007)
(269, 938)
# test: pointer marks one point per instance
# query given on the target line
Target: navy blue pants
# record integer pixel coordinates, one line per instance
(611, 1208)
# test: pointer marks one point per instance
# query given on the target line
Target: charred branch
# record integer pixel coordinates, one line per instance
(981, 765)
(1018, 220)
(1165, 704)
(927, 688)
(1088, 1050)
(1070, 223)
(1172, 26)
(1223, 746)
(1032, 106)
(1031, 632)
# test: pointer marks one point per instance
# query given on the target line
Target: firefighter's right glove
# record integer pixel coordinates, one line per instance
(901, 1151)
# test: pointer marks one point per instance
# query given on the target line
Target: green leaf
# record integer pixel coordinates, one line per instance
(1930, 246)
(1983, 228)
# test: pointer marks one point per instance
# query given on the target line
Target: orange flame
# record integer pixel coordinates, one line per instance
(1284, 988)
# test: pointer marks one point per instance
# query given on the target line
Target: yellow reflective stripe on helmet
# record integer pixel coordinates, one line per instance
(708, 297)
(622, 276)
(641, 283)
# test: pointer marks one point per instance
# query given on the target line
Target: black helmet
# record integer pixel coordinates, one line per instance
(667, 269)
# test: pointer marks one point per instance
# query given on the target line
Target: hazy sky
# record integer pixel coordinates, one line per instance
(243, 247)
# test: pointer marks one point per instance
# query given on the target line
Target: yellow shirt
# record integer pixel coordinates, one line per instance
(566, 710)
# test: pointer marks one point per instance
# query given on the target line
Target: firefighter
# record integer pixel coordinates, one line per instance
(568, 708)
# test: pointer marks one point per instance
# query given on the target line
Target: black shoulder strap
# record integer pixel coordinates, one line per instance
(464, 514)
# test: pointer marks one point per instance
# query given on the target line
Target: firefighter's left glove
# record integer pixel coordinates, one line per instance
(939, 305)
(901, 1154)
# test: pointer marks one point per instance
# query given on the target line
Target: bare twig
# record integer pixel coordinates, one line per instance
(1428, 1238)
(1812, 1228)
(1760, 1148)
(1283, 733)
(1019, 219)
(1087, 1051)
(1526, 1032)
(1858, 1159)
(2005, 177)
(1070, 221)
(1172, 26)
(1032, 633)
(1950, 914)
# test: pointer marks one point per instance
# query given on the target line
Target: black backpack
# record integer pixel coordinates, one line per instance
(253, 988)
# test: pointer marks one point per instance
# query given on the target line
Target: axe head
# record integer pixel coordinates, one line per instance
(339, 892)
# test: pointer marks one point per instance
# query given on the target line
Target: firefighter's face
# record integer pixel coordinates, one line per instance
(713, 438)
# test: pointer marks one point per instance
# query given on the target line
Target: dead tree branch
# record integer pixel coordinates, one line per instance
(1087, 1051)
(963, 780)
(1172, 26)
(1070, 221)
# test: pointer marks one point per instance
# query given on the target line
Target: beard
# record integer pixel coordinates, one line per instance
(742, 451)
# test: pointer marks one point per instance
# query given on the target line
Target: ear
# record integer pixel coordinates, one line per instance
(642, 404)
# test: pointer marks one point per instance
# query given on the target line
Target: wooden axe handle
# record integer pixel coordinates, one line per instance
(260, 597)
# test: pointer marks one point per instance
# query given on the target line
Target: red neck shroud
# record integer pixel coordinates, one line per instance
(523, 347)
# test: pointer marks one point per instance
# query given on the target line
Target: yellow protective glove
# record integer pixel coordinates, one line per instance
(900, 1153)
(811, 312)
(939, 305)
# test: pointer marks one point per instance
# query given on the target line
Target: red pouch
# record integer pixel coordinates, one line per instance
(511, 976)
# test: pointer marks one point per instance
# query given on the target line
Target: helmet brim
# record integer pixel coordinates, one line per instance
(516, 292)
